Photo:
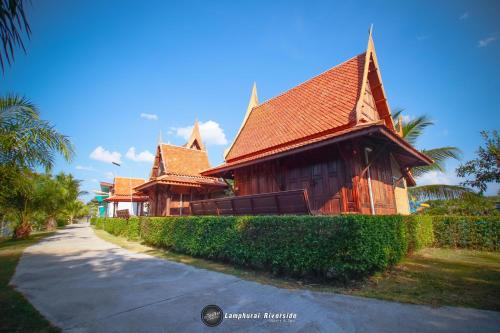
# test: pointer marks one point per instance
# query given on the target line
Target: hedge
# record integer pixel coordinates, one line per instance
(332, 247)
(419, 232)
(118, 226)
(340, 247)
(473, 232)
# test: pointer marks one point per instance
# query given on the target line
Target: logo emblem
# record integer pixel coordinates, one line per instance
(212, 315)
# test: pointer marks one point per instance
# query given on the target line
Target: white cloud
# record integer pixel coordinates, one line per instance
(211, 133)
(438, 177)
(85, 168)
(464, 16)
(143, 156)
(103, 155)
(149, 116)
(486, 41)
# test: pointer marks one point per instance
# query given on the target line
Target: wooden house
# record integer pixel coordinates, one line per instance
(175, 178)
(333, 137)
(122, 196)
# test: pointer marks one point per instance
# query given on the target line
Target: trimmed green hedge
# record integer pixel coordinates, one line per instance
(340, 247)
(473, 232)
(419, 232)
(333, 247)
(118, 226)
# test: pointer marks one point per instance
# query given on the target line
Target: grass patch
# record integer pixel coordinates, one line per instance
(439, 277)
(17, 314)
(431, 276)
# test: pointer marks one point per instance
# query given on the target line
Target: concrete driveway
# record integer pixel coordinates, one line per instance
(84, 284)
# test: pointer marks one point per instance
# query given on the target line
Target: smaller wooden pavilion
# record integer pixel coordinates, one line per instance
(123, 197)
(176, 178)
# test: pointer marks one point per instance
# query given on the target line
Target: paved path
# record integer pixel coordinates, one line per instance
(84, 284)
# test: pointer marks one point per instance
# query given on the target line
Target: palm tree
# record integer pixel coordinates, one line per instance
(411, 130)
(13, 23)
(25, 139)
(21, 201)
(26, 142)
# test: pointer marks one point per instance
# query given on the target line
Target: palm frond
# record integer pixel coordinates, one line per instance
(415, 127)
(13, 24)
(437, 192)
(25, 139)
(439, 156)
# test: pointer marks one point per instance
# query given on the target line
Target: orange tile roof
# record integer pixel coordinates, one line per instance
(321, 104)
(184, 161)
(183, 180)
(123, 186)
(126, 198)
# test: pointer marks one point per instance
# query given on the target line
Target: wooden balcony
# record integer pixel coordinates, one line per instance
(275, 203)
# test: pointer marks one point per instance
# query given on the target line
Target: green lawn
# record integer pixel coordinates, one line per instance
(441, 277)
(16, 313)
(434, 277)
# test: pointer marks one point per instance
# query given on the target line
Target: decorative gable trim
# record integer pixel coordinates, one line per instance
(254, 101)
(372, 84)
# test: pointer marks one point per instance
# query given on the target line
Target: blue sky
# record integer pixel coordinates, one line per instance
(93, 67)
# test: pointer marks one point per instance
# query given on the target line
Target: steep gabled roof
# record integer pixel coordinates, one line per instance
(182, 160)
(339, 102)
(125, 186)
(323, 103)
(123, 190)
(344, 96)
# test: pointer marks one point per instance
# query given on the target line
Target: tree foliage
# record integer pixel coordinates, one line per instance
(26, 141)
(13, 25)
(486, 167)
(412, 129)
(470, 204)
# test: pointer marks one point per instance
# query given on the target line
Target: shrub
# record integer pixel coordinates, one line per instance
(419, 232)
(334, 246)
(473, 232)
(133, 228)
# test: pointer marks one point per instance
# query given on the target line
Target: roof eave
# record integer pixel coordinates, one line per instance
(223, 169)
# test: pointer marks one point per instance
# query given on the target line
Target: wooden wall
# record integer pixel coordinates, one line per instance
(328, 175)
(165, 200)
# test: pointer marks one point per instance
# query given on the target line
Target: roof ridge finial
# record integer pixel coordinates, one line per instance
(195, 137)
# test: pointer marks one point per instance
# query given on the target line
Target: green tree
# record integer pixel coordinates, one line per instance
(411, 130)
(486, 167)
(13, 25)
(22, 200)
(25, 139)
(76, 209)
(26, 142)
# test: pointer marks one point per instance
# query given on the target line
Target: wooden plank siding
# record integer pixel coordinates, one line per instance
(331, 176)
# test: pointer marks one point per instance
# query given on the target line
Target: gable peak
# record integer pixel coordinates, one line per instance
(195, 141)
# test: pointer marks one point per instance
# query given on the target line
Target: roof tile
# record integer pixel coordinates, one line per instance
(323, 103)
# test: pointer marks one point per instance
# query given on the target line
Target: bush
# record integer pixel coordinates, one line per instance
(335, 246)
(419, 232)
(118, 226)
(473, 232)
(133, 228)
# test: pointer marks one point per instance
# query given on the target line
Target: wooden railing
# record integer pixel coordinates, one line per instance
(275, 203)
